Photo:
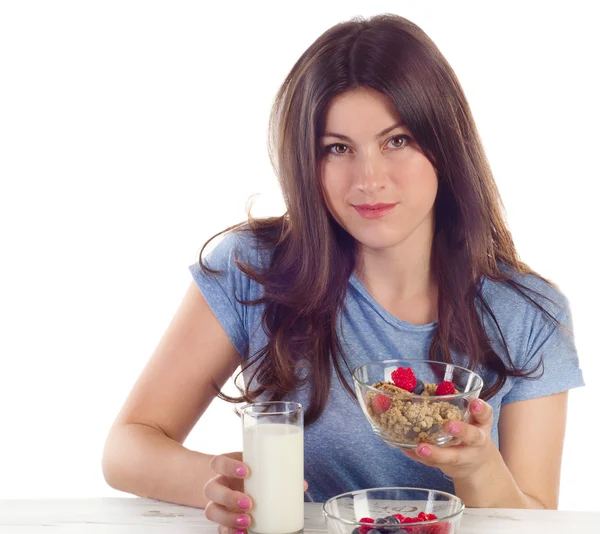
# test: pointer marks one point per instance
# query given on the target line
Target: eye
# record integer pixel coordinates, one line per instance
(399, 141)
(328, 149)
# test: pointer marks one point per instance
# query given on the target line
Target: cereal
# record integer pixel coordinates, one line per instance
(412, 419)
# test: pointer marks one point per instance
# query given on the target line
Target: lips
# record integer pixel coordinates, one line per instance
(374, 211)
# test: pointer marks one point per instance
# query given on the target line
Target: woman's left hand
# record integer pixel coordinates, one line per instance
(476, 450)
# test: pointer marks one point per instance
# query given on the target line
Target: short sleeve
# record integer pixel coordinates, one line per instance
(555, 345)
(223, 291)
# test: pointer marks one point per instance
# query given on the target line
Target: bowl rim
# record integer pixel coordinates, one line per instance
(451, 496)
(471, 393)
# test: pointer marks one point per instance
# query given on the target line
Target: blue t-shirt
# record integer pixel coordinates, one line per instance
(341, 451)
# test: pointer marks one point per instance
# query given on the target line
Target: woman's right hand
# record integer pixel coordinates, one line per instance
(229, 506)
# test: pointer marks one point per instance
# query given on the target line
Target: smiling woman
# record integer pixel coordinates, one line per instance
(387, 180)
(393, 245)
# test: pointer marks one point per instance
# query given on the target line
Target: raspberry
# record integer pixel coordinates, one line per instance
(381, 404)
(439, 528)
(364, 529)
(445, 388)
(399, 517)
(404, 378)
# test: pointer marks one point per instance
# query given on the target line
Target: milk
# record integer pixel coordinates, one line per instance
(274, 454)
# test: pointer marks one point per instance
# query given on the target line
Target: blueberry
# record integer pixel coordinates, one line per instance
(418, 388)
(380, 526)
(374, 531)
(356, 531)
(388, 525)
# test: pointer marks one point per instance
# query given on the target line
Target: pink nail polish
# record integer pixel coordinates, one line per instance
(477, 406)
(425, 451)
(240, 532)
(242, 521)
(244, 503)
(454, 428)
(241, 471)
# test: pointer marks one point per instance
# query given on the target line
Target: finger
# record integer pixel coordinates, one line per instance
(469, 434)
(305, 485)
(223, 465)
(237, 455)
(217, 490)
(218, 514)
(411, 453)
(438, 456)
(481, 412)
(226, 530)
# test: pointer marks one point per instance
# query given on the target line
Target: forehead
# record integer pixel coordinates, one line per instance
(362, 106)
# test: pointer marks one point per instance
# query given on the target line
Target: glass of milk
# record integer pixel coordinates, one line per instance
(274, 454)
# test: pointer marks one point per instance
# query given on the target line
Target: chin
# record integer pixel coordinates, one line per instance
(377, 240)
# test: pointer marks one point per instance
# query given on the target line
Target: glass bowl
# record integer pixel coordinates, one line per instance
(343, 513)
(404, 419)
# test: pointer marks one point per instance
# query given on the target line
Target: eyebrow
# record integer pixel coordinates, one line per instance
(399, 124)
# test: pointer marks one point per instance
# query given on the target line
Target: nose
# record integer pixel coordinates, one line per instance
(370, 173)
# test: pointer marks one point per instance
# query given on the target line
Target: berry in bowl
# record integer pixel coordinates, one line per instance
(408, 402)
(393, 511)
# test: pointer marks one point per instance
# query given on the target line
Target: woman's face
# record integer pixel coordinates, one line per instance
(368, 160)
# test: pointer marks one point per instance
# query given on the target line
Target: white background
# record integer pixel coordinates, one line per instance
(130, 132)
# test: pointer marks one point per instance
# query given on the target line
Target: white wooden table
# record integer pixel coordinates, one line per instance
(137, 516)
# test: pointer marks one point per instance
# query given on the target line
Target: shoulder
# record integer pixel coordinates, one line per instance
(522, 295)
(524, 311)
(240, 245)
(532, 329)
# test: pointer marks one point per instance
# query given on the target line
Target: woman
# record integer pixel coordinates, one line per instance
(393, 245)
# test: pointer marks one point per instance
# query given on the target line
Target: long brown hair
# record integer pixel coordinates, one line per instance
(312, 257)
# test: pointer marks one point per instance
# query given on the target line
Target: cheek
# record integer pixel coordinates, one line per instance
(418, 184)
(335, 193)
(335, 187)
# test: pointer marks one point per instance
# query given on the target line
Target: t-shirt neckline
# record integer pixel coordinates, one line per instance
(386, 315)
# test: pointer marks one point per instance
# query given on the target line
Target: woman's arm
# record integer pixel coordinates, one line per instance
(526, 471)
(143, 453)
(523, 473)
(531, 441)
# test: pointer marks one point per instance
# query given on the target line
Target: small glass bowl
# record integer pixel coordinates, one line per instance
(403, 420)
(343, 513)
